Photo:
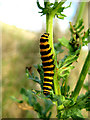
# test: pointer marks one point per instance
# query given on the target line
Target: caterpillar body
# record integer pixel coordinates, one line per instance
(47, 62)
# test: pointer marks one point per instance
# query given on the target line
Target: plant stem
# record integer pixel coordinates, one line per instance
(49, 29)
(82, 77)
(66, 80)
(81, 10)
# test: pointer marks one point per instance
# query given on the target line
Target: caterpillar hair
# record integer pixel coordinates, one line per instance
(47, 62)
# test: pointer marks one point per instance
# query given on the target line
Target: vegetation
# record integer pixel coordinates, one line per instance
(68, 103)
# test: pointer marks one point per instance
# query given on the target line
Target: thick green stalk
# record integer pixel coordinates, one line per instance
(49, 29)
(82, 77)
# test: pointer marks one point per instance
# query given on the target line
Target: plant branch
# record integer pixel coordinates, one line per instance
(76, 103)
(82, 77)
(58, 6)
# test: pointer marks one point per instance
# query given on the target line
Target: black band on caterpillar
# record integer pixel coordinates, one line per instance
(45, 52)
(48, 74)
(46, 58)
(48, 63)
(44, 46)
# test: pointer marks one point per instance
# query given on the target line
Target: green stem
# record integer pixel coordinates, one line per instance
(82, 77)
(66, 81)
(81, 10)
(49, 29)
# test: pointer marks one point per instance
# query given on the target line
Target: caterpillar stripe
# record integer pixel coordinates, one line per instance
(47, 62)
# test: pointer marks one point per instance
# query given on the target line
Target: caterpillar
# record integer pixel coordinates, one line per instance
(47, 62)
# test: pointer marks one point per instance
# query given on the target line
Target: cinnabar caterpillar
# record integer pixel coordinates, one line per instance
(47, 62)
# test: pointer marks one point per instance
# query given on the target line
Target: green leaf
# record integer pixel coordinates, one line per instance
(79, 24)
(39, 5)
(31, 98)
(68, 5)
(32, 77)
(65, 43)
(80, 29)
(69, 58)
(48, 105)
(39, 68)
(76, 113)
(38, 108)
(16, 100)
(57, 47)
(49, 115)
(23, 91)
(60, 17)
(63, 15)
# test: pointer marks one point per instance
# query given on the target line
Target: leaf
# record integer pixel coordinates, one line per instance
(48, 105)
(23, 91)
(15, 99)
(65, 43)
(80, 29)
(69, 58)
(76, 114)
(60, 17)
(68, 5)
(38, 108)
(36, 91)
(72, 113)
(49, 115)
(39, 68)
(39, 5)
(79, 24)
(68, 88)
(32, 77)
(63, 15)
(57, 47)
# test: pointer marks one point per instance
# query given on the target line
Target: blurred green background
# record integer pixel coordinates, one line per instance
(20, 48)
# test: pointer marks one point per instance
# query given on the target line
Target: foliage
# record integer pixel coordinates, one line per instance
(68, 105)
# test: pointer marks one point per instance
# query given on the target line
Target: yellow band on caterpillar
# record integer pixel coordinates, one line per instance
(46, 35)
(45, 43)
(48, 87)
(48, 82)
(43, 50)
(46, 90)
(46, 55)
(49, 72)
(48, 66)
(47, 77)
(44, 38)
(47, 61)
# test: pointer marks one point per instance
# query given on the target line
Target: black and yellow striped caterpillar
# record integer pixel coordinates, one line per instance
(47, 62)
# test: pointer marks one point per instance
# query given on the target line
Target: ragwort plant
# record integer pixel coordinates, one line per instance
(68, 104)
